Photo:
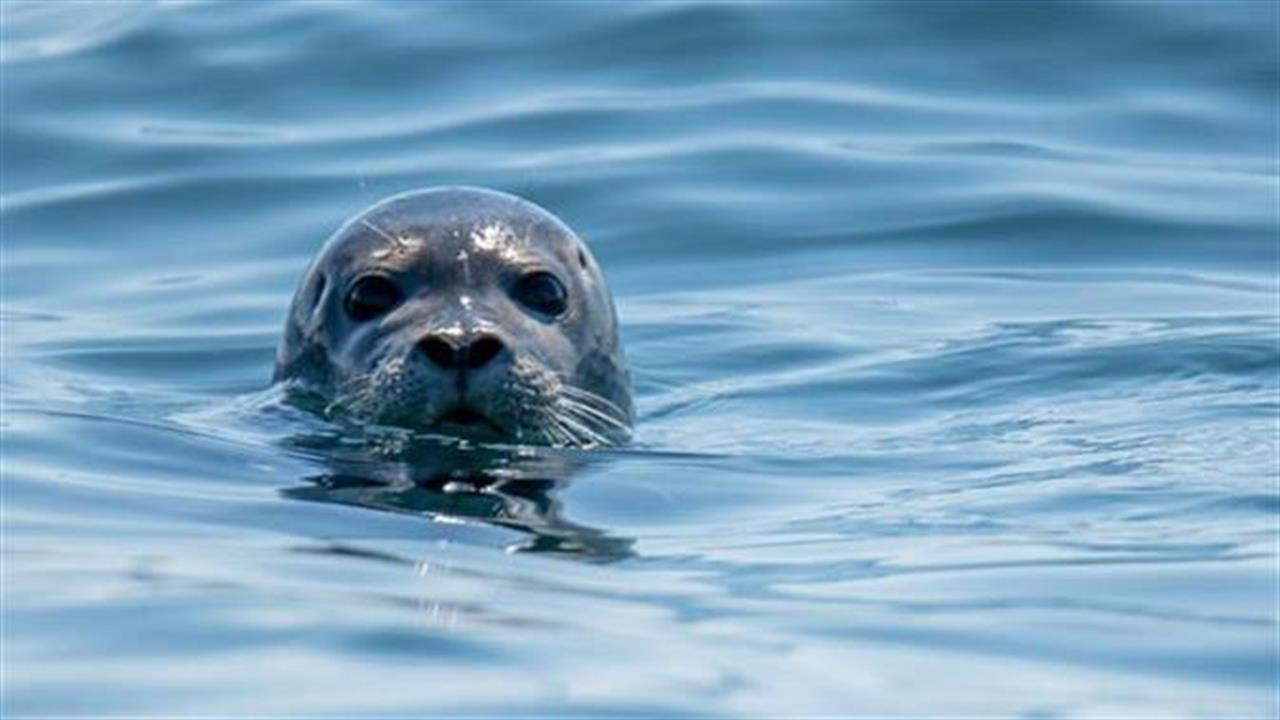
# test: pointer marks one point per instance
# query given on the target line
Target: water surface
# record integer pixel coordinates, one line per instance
(954, 330)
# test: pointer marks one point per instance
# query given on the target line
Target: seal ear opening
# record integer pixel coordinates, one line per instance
(582, 259)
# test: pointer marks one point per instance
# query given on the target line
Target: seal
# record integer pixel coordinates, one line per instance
(460, 311)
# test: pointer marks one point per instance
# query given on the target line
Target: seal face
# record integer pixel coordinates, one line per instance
(463, 311)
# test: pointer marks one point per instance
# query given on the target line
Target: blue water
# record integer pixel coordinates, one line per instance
(954, 331)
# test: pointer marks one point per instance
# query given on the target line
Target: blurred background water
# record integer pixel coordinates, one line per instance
(954, 330)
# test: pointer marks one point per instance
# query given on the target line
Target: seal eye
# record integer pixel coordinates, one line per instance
(370, 297)
(543, 293)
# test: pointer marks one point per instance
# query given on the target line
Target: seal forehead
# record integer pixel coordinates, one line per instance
(492, 236)
(461, 206)
(498, 239)
(397, 243)
(504, 230)
(495, 238)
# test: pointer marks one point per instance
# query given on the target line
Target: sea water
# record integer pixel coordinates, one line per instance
(953, 327)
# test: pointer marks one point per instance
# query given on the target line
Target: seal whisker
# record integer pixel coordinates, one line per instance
(581, 429)
(587, 437)
(382, 233)
(588, 412)
(598, 432)
(596, 412)
(575, 433)
(544, 426)
(585, 395)
(561, 436)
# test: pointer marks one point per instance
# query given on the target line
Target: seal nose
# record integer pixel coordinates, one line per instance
(451, 355)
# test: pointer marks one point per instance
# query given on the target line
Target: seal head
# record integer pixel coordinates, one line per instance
(463, 311)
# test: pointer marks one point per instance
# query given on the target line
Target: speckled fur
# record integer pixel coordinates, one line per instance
(559, 381)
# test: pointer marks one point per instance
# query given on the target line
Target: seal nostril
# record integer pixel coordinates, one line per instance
(439, 351)
(482, 351)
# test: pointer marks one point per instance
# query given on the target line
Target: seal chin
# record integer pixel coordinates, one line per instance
(465, 422)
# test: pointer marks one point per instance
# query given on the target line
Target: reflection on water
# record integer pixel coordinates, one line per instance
(451, 481)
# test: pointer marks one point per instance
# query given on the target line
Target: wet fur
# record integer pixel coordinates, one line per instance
(564, 383)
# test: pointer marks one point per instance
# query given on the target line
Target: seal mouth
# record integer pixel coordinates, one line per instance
(465, 421)
(463, 416)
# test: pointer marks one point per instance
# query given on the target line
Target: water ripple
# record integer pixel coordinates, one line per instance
(954, 338)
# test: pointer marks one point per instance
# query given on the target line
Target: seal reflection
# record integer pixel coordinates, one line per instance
(446, 480)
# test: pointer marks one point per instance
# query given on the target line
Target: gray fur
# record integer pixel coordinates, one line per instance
(455, 253)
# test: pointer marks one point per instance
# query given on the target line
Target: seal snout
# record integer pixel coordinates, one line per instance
(453, 354)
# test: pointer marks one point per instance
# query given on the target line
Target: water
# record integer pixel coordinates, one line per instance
(954, 331)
